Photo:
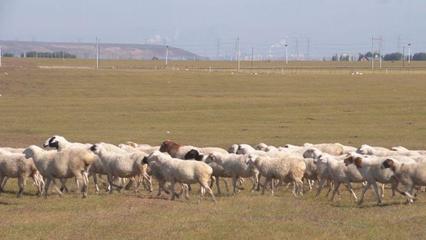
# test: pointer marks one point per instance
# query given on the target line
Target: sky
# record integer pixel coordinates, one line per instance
(311, 28)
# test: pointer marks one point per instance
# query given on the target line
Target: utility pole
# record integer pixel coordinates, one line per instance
(97, 53)
(380, 51)
(167, 54)
(238, 53)
(286, 53)
(218, 49)
(372, 53)
(409, 53)
(252, 57)
(403, 56)
(308, 49)
(297, 49)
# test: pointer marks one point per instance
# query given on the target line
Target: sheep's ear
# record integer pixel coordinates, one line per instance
(93, 148)
(348, 160)
(145, 160)
(389, 163)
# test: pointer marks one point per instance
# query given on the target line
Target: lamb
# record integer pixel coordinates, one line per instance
(15, 165)
(286, 169)
(118, 164)
(235, 166)
(68, 163)
(408, 175)
(310, 172)
(176, 170)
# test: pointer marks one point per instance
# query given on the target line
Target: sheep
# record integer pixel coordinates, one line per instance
(335, 149)
(371, 170)
(332, 168)
(118, 164)
(15, 165)
(310, 172)
(175, 150)
(408, 175)
(59, 143)
(383, 152)
(68, 163)
(235, 166)
(12, 150)
(176, 170)
(288, 168)
(401, 149)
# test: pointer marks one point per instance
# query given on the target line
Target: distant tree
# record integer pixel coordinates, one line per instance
(8, 54)
(393, 56)
(61, 54)
(419, 56)
(155, 58)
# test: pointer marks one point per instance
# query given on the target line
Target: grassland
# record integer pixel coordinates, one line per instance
(199, 107)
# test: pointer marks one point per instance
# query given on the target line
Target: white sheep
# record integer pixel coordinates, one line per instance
(176, 170)
(408, 175)
(117, 164)
(235, 166)
(335, 149)
(59, 142)
(15, 165)
(284, 168)
(68, 163)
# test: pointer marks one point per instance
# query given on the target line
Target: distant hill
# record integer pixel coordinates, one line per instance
(107, 50)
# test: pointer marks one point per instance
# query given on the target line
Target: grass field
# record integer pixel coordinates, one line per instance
(205, 108)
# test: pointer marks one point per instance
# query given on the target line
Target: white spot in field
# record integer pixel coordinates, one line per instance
(168, 132)
(5, 73)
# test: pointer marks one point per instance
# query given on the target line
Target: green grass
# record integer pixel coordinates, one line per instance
(208, 109)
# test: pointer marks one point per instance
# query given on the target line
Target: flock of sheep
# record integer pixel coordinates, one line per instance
(132, 165)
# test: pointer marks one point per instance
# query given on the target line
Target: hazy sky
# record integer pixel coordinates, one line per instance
(205, 26)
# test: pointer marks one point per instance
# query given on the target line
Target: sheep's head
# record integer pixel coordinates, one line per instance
(357, 161)
(29, 152)
(167, 145)
(193, 154)
(233, 148)
(312, 153)
(213, 158)
(251, 158)
(366, 150)
(52, 142)
(261, 146)
(389, 163)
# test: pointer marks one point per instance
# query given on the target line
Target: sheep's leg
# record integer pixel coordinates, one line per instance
(217, 185)
(3, 182)
(350, 189)
(376, 191)
(272, 187)
(95, 180)
(129, 184)
(173, 183)
(21, 186)
(226, 184)
(63, 186)
(46, 188)
(298, 187)
(361, 200)
(336, 188)
(2, 178)
(320, 186)
(110, 182)
(267, 180)
(205, 185)
(382, 190)
(234, 184)
(160, 187)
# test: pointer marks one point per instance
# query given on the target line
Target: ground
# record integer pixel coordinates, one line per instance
(192, 103)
